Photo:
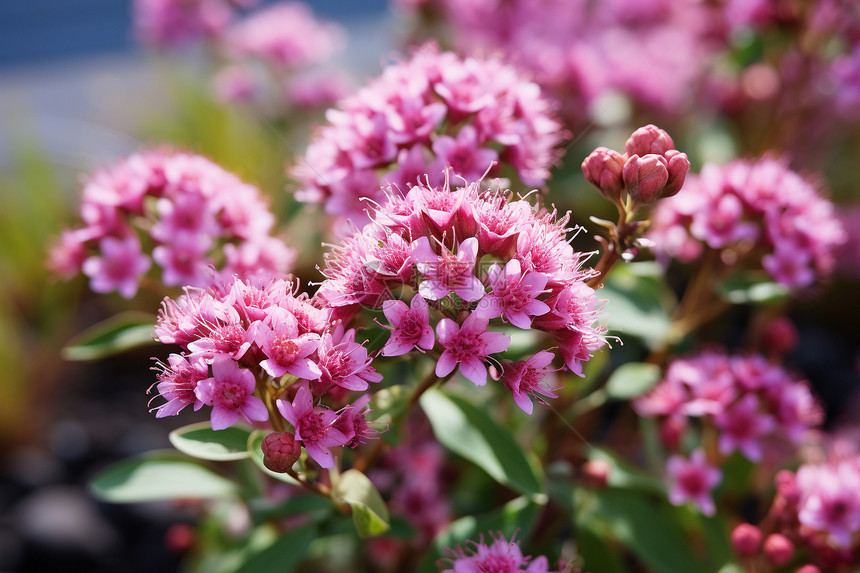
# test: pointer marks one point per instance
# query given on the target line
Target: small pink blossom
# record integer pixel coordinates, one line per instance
(314, 426)
(502, 556)
(118, 268)
(344, 362)
(514, 294)
(742, 427)
(829, 501)
(464, 155)
(352, 423)
(447, 273)
(692, 481)
(287, 350)
(176, 383)
(410, 326)
(230, 392)
(468, 345)
(529, 378)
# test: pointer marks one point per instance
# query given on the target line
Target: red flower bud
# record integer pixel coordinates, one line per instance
(602, 168)
(746, 539)
(808, 569)
(649, 139)
(779, 335)
(671, 431)
(595, 473)
(280, 451)
(678, 167)
(180, 538)
(778, 549)
(645, 177)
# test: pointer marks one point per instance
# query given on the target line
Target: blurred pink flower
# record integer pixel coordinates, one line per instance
(692, 480)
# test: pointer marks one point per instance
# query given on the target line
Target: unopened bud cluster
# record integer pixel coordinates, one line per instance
(649, 169)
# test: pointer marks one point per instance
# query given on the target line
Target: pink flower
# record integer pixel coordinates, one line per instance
(692, 481)
(468, 345)
(177, 382)
(447, 272)
(352, 423)
(287, 350)
(829, 501)
(344, 362)
(464, 155)
(501, 556)
(118, 268)
(410, 326)
(528, 378)
(514, 294)
(224, 335)
(314, 426)
(230, 392)
(742, 426)
(184, 262)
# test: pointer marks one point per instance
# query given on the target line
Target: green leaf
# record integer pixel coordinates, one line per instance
(158, 476)
(313, 506)
(518, 516)
(469, 432)
(597, 555)
(638, 302)
(631, 380)
(255, 450)
(283, 555)
(201, 441)
(652, 535)
(113, 336)
(369, 512)
(751, 288)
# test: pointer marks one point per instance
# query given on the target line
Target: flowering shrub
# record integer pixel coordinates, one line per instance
(481, 367)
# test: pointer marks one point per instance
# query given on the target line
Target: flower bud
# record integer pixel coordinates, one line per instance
(595, 473)
(808, 569)
(678, 167)
(671, 431)
(779, 335)
(603, 170)
(180, 538)
(778, 549)
(280, 451)
(645, 177)
(746, 539)
(649, 139)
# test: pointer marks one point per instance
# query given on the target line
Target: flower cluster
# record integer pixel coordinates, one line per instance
(651, 51)
(501, 556)
(242, 342)
(817, 508)
(431, 112)
(754, 406)
(188, 212)
(463, 258)
(649, 169)
(755, 211)
(167, 23)
(275, 54)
